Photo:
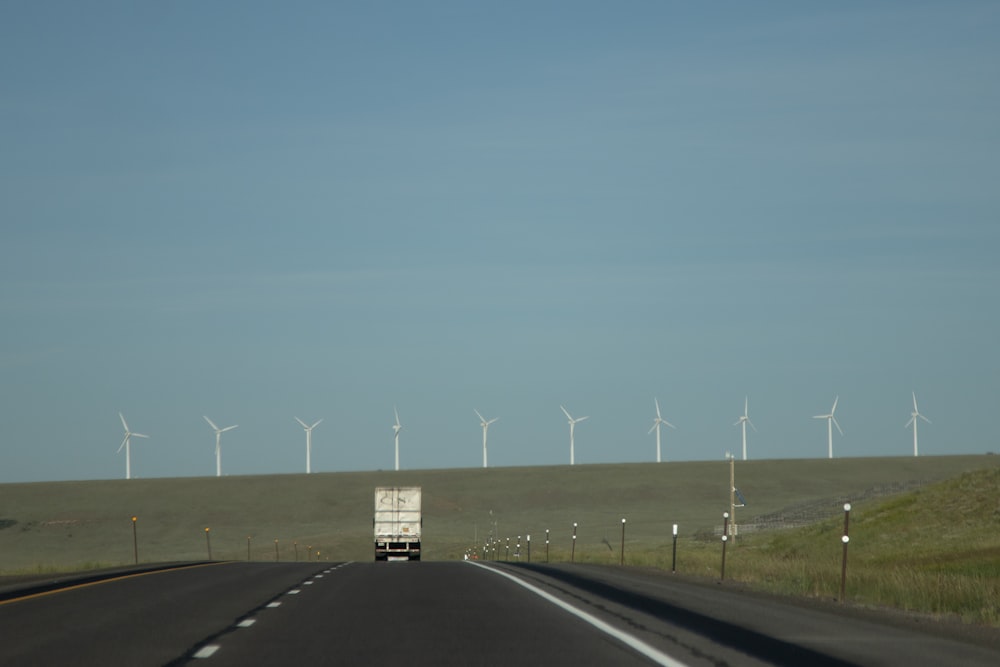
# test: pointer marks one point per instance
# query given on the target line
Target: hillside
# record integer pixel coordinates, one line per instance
(61, 525)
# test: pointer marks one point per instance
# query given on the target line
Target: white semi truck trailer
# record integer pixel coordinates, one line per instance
(397, 523)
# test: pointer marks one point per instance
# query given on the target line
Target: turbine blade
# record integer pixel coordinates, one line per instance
(123, 443)
(751, 425)
(568, 415)
(912, 419)
(301, 422)
(925, 419)
(669, 424)
(492, 420)
(657, 406)
(139, 435)
(315, 425)
(481, 418)
(396, 412)
(581, 419)
(834, 408)
(653, 428)
(228, 428)
(915, 401)
(124, 425)
(211, 423)
(837, 425)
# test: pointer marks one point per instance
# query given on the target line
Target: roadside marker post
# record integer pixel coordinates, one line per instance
(276, 556)
(572, 553)
(725, 539)
(135, 541)
(845, 539)
(248, 548)
(546, 545)
(529, 547)
(208, 542)
(673, 565)
(295, 545)
(623, 544)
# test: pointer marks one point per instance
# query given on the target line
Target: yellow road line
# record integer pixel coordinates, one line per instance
(87, 584)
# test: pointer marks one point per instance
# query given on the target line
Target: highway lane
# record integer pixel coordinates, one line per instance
(147, 619)
(433, 613)
(426, 613)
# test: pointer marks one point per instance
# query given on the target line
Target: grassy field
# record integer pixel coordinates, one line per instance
(64, 525)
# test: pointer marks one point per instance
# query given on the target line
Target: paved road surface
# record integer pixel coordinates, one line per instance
(444, 614)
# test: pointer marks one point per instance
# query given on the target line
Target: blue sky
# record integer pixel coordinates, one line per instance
(257, 211)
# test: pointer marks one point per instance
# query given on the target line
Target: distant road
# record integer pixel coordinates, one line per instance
(444, 613)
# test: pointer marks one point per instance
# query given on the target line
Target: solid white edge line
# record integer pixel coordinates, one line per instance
(206, 651)
(635, 643)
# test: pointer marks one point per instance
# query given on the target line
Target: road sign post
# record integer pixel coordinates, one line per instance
(572, 553)
(622, 562)
(845, 539)
(673, 564)
(135, 542)
(725, 539)
(208, 542)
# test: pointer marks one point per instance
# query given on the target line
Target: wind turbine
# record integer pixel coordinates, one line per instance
(396, 428)
(572, 424)
(309, 447)
(743, 421)
(831, 421)
(656, 427)
(127, 445)
(218, 444)
(485, 424)
(913, 420)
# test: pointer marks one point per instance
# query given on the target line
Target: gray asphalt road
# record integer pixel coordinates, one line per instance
(446, 614)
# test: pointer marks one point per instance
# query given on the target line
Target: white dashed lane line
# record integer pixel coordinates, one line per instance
(209, 650)
(206, 651)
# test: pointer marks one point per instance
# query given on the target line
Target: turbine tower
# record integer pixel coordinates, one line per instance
(126, 443)
(309, 447)
(913, 420)
(831, 421)
(485, 423)
(218, 444)
(572, 424)
(743, 421)
(656, 427)
(396, 428)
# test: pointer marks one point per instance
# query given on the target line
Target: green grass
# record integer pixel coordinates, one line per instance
(935, 550)
(943, 532)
